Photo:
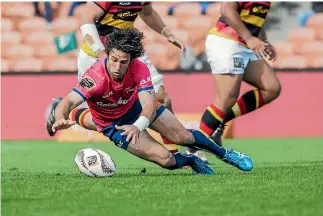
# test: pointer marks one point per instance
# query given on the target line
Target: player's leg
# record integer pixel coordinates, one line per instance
(260, 75)
(170, 127)
(161, 95)
(83, 117)
(227, 63)
(149, 149)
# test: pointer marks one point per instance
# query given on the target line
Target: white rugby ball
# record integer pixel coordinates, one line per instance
(95, 163)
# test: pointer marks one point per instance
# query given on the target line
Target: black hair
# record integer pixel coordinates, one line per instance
(127, 40)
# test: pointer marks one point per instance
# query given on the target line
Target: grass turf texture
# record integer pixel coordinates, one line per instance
(41, 179)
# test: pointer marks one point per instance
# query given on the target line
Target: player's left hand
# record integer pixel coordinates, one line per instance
(177, 42)
(131, 131)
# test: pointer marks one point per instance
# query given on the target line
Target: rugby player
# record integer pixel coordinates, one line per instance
(100, 19)
(236, 52)
(121, 99)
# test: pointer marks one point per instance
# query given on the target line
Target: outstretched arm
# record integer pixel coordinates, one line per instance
(154, 21)
(63, 109)
(88, 29)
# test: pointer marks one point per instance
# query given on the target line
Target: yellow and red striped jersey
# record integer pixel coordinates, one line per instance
(253, 16)
(120, 15)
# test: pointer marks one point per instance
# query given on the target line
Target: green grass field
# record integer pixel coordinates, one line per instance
(41, 179)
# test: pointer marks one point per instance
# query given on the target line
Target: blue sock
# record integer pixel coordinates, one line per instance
(181, 160)
(204, 143)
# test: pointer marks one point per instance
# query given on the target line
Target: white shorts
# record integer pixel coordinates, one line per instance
(226, 56)
(84, 61)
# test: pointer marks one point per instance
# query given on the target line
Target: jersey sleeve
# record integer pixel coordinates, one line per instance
(87, 87)
(143, 78)
(147, 3)
(103, 5)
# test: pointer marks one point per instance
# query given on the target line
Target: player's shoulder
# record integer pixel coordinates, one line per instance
(136, 66)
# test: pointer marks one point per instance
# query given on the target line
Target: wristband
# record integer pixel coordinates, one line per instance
(142, 123)
(90, 29)
(162, 32)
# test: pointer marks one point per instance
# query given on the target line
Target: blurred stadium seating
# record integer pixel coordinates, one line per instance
(31, 38)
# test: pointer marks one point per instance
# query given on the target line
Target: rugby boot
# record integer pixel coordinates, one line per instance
(239, 160)
(200, 167)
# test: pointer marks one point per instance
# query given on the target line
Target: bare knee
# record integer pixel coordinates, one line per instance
(276, 89)
(272, 91)
(166, 159)
(183, 137)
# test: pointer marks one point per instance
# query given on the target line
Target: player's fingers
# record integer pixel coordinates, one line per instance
(54, 128)
(119, 127)
(257, 54)
(133, 140)
(70, 122)
(129, 136)
(124, 133)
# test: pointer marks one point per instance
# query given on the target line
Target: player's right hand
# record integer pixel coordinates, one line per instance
(257, 45)
(101, 54)
(62, 124)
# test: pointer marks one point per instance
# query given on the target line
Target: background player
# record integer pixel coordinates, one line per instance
(235, 53)
(112, 87)
(100, 19)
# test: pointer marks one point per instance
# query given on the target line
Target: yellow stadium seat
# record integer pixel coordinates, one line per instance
(32, 24)
(5, 65)
(39, 38)
(20, 51)
(293, 61)
(316, 21)
(65, 25)
(61, 64)
(30, 64)
(300, 35)
(10, 38)
(185, 9)
(6, 25)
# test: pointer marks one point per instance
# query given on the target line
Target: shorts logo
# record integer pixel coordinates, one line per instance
(87, 83)
(238, 63)
(120, 144)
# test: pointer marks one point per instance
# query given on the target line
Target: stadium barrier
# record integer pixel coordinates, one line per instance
(296, 113)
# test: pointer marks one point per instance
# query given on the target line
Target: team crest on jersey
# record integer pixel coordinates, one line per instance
(238, 63)
(87, 83)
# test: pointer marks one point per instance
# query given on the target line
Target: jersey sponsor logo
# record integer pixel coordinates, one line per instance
(124, 3)
(112, 105)
(108, 95)
(126, 15)
(238, 62)
(144, 81)
(87, 83)
(259, 9)
(128, 90)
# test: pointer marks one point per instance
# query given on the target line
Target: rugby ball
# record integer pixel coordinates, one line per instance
(95, 163)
